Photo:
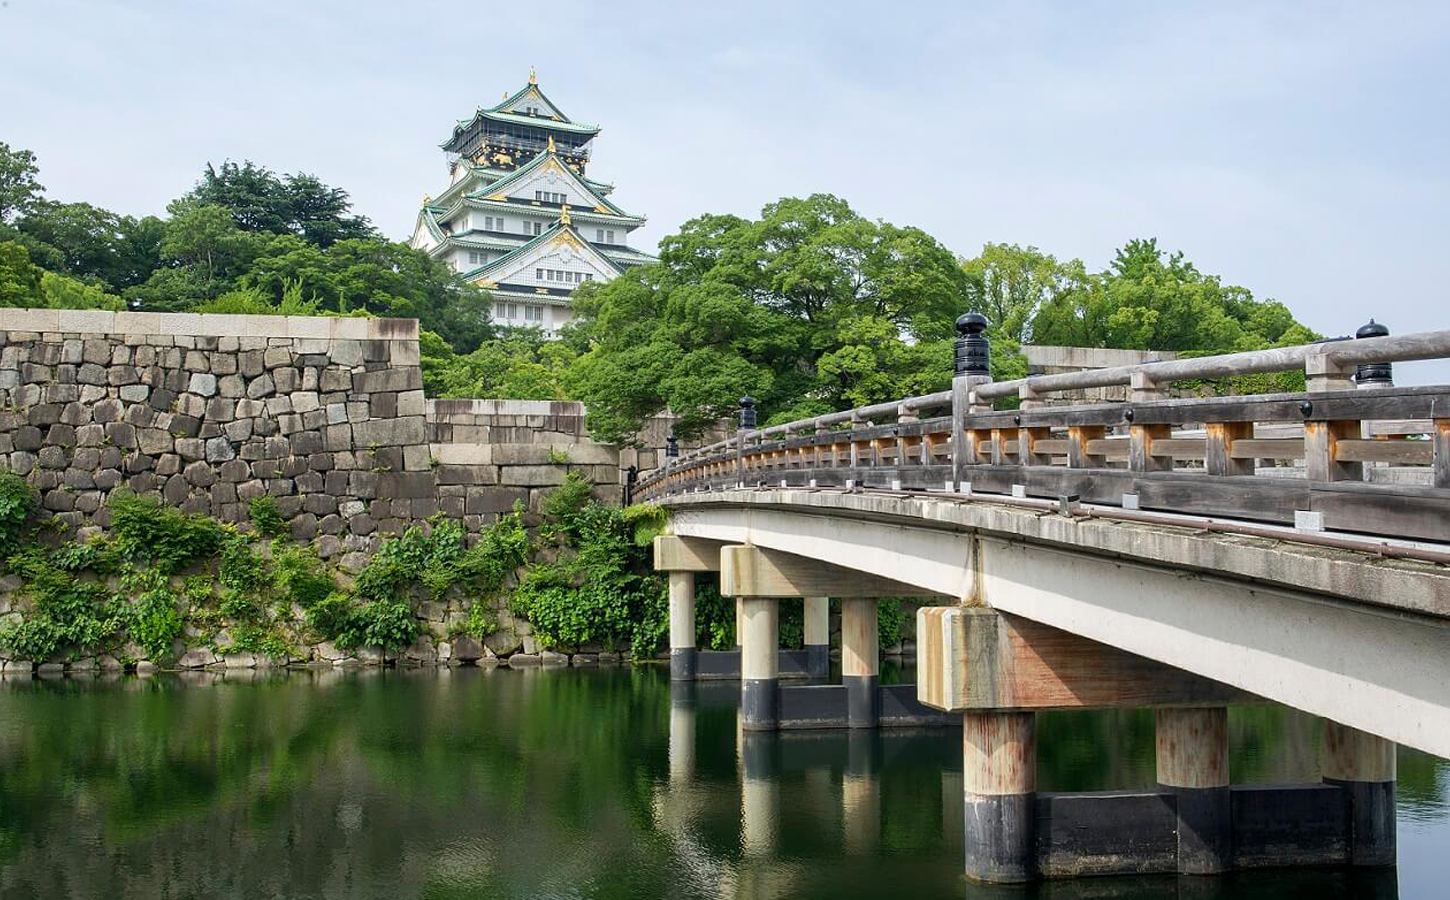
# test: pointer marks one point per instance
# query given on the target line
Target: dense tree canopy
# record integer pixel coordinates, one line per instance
(809, 308)
(261, 241)
(297, 204)
(1149, 300)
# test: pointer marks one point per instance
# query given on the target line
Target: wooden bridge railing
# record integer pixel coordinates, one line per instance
(1201, 456)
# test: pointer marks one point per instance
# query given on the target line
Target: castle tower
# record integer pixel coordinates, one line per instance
(519, 217)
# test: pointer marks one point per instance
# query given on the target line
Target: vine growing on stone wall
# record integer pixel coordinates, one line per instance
(591, 583)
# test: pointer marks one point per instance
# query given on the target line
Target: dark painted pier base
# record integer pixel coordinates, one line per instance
(1190, 825)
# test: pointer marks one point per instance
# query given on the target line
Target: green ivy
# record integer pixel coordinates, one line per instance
(17, 503)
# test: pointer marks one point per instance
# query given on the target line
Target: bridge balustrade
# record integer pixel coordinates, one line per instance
(1328, 448)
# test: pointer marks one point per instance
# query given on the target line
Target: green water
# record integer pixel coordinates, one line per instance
(556, 783)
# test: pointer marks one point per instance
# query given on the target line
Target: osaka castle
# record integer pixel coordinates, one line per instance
(520, 216)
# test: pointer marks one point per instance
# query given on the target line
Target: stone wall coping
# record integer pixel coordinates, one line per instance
(88, 321)
(505, 407)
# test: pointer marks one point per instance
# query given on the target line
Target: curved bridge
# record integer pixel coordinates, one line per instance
(1181, 554)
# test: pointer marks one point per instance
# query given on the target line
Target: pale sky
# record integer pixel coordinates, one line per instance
(1298, 150)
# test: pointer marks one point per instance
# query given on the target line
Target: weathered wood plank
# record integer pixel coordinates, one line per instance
(1267, 448)
(1403, 452)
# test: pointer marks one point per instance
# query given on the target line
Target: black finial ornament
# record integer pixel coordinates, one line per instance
(672, 447)
(747, 413)
(972, 345)
(1374, 373)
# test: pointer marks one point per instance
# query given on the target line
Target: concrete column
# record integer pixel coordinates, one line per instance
(861, 794)
(1364, 765)
(999, 777)
(861, 662)
(818, 635)
(1193, 764)
(760, 664)
(682, 732)
(683, 658)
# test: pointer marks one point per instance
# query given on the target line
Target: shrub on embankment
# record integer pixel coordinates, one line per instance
(158, 583)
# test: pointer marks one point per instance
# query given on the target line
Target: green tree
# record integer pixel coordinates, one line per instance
(261, 201)
(519, 364)
(1151, 300)
(19, 277)
(374, 275)
(92, 243)
(1009, 284)
(19, 190)
(801, 309)
(202, 252)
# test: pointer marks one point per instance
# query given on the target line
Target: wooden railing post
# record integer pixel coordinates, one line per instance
(1219, 440)
(1321, 461)
(1078, 456)
(1440, 436)
(1141, 457)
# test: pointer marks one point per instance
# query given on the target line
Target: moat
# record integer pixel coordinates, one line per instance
(455, 783)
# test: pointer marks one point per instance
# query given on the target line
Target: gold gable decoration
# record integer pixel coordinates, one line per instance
(533, 78)
(564, 215)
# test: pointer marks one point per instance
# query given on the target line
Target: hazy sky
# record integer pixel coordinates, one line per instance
(1297, 150)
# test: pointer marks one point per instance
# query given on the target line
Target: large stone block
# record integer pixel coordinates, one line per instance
(390, 432)
(531, 476)
(405, 379)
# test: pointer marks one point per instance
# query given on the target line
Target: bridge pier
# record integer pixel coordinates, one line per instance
(760, 664)
(861, 661)
(818, 636)
(1192, 750)
(684, 660)
(1364, 767)
(999, 777)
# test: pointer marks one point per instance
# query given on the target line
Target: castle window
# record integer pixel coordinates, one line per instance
(533, 313)
(499, 310)
(608, 237)
(473, 257)
(538, 274)
(513, 310)
(538, 227)
(599, 235)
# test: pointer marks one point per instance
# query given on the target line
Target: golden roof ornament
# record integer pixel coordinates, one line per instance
(533, 79)
(427, 199)
(551, 144)
(564, 215)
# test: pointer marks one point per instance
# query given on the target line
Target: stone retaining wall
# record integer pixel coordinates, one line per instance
(325, 415)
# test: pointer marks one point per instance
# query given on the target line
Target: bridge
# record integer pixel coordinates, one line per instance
(1176, 553)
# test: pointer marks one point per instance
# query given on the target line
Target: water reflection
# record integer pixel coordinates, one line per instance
(477, 783)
